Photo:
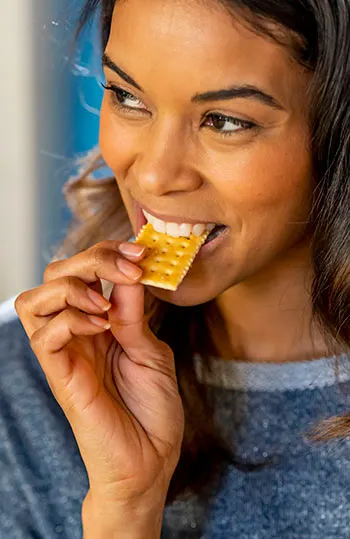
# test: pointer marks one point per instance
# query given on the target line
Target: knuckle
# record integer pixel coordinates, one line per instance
(67, 315)
(37, 340)
(71, 284)
(50, 271)
(108, 244)
(71, 315)
(20, 302)
(100, 255)
(114, 244)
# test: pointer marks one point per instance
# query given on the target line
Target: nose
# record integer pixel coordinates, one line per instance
(162, 165)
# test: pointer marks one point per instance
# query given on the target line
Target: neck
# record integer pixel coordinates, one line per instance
(268, 317)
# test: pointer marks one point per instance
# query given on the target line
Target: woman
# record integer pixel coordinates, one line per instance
(190, 408)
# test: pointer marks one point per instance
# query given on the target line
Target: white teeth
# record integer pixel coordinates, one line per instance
(176, 230)
(173, 229)
(158, 225)
(147, 215)
(198, 230)
(185, 230)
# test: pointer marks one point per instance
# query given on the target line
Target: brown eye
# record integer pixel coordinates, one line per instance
(119, 96)
(219, 121)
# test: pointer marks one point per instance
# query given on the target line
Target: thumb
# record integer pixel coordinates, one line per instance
(149, 385)
(129, 325)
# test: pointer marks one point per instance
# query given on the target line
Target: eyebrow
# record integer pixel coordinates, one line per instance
(243, 91)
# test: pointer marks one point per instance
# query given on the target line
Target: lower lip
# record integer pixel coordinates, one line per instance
(204, 251)
(208, 248)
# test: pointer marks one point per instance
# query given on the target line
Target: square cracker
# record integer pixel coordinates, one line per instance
(169, 258)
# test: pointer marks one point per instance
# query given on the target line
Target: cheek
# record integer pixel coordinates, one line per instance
(269, 185)
(115, 146)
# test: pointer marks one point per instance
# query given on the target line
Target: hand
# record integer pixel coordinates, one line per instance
(117, 387)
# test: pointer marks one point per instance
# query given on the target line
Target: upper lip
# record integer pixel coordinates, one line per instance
(172, 219)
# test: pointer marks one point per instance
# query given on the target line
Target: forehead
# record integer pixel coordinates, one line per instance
(200, 44)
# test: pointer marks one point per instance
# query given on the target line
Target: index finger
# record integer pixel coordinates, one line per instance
(101, 261)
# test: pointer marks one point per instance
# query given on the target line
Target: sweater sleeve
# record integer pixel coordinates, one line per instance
(42, 478)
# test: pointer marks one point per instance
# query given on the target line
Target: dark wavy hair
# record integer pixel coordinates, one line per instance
(317, 33)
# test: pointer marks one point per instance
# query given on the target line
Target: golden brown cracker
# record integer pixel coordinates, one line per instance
(169, 258)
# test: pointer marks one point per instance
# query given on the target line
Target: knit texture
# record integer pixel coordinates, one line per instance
(262, 409)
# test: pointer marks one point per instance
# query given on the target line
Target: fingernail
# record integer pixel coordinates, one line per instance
(131, 249)
(99, 321)
(99, 300)
(129, 269)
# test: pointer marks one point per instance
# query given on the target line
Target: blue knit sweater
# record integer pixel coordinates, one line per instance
(265, 408)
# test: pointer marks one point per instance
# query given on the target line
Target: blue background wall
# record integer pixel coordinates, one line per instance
(69, 117)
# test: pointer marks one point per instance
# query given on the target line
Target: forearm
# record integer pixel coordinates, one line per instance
(102, 521)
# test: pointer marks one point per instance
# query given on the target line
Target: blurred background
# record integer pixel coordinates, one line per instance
(49, 103)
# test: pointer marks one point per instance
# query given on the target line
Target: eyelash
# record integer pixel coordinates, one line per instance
(236, 121)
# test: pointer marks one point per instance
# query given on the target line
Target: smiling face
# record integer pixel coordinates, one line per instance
(243, 162)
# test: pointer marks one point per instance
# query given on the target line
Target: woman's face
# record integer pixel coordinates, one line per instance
(241, 161)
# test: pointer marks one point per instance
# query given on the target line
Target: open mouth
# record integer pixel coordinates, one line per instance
(215, 233)
(180, 229)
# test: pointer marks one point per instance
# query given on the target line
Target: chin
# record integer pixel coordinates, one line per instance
(187, 294)
(178, 297)
(199, 286)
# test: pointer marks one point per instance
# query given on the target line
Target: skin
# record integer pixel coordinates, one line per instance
(258, 182)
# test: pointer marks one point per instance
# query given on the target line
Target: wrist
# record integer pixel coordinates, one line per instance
(111, 520)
